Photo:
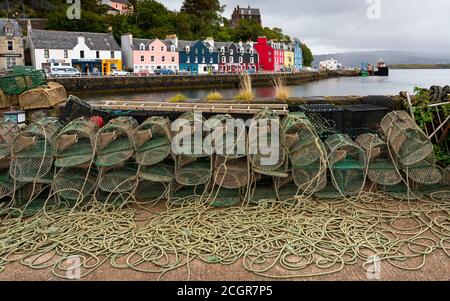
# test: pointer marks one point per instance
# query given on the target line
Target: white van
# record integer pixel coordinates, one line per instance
(64, 71)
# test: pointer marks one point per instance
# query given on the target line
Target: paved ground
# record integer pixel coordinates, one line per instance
(436, 268)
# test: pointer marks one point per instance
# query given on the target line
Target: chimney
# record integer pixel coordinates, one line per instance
(29, 26)
(81, 40)
(210, 40)
(173, 38)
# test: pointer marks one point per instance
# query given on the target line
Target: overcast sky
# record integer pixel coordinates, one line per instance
(343, 25)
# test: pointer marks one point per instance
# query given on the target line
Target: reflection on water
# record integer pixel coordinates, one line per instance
(399, 80)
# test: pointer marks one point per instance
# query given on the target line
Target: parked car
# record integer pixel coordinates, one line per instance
(64, 71)
(164, 72)
(120, 73)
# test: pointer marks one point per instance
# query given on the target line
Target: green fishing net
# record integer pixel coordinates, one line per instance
(75, 143)
(115, 142)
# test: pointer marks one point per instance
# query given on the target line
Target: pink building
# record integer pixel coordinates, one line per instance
(118, 7)
(146, 56)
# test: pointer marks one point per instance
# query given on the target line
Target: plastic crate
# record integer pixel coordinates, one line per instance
(363, 116)
(326, 111)
(75, 108)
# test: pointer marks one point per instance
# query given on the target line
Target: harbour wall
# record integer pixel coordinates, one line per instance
(165, 83)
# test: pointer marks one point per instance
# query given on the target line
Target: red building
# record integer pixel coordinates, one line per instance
(271, 55)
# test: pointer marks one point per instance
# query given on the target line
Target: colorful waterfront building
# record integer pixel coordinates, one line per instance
(298, 55)
(271, 55)
(237, 57)
(197, 57)
(118, 7)
(11, 44)
(288, 56)
(147, 56)
(90, 53)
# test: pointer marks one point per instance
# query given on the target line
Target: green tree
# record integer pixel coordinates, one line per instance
(208, 11)
(307, 56)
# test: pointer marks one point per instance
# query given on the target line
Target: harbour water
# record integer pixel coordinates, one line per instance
(399, 80)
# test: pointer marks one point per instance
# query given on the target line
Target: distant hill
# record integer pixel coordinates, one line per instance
(354, 59)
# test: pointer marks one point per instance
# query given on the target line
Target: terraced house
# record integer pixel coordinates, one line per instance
(11, 44)
(298, 55)
(237, 57)
(198, 57)
(89, 52)
(146, 56)
(271, 55)
(288, 56)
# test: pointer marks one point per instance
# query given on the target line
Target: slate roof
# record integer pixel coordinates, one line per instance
(17, 31)
(253, 11)
(138, 42)
(49, 39)
(122, 1)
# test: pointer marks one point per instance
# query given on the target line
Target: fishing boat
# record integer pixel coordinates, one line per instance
(382, 69)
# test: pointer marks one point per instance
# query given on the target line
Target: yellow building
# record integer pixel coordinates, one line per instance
(111, 64)
(289, 57)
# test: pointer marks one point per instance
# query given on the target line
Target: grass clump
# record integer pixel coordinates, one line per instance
(178, 98)
(245, 92)
(281, 91)
(214, 96)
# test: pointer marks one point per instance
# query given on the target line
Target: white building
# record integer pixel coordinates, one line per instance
(330, 65)
(86, 51)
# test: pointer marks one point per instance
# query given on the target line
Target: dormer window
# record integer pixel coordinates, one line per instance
(172, 48)
(9, 31)
(142, 47)
(187, 49)
(242, 50)
(222, 49)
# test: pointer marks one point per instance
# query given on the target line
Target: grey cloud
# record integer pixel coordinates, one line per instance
(342, 25)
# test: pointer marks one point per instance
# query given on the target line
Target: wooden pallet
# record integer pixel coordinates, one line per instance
(223, 108)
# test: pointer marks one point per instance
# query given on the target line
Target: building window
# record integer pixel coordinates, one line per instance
(252, 60)
(187, 49)
(241, 60)
(9, 31)
(211, 50)
(10, 62)
(153, 48)
(152, 58)
(66, 54)
(10, 46)
(222, 49)
(173, 59)
(203, 60)
(188, 60)
(224, 59)
(142, 58)
(163, 59)
(142, 47)
(162, 48)
(172, 48)
(231, 60)
(97, 54)
(231, 51)
(211, 60)
(112, 54)
(196, 60)
(270, 60)
(46, 53)
(82, 54)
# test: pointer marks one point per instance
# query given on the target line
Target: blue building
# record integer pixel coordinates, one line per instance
(199, 57)
(298, 55)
